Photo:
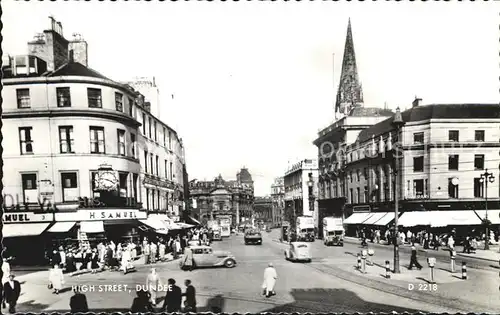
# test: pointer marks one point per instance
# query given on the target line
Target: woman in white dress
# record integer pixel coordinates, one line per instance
(56, 279)
(126, 258)
(5, 270)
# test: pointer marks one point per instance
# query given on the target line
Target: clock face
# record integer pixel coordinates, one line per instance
(106, 180)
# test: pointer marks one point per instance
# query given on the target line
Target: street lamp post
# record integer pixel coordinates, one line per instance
(485, 178)
(310, 183)
(398, 123)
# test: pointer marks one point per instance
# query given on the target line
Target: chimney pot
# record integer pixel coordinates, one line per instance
(416, 102)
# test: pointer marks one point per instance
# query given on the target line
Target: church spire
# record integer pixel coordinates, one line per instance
(349, 94)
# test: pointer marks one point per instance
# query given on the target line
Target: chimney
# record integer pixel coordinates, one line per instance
(52, 47)
(416, 102)
(80, 49)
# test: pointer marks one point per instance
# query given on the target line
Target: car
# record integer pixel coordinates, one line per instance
(298, 251)
(205, 256)
(253, 237)
(192, 243)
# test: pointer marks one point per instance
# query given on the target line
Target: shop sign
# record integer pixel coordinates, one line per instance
(26, 217)
(111, 214)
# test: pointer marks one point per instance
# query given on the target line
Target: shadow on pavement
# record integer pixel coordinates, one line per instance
(333, 300)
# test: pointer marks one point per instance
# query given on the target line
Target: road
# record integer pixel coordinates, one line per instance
(320, 286)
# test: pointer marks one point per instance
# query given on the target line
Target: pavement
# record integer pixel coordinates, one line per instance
(329, 283)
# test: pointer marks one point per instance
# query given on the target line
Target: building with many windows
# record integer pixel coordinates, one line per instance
(221, 198)
(300, 184)
(74, 144)
(278, 199)
(263, 211)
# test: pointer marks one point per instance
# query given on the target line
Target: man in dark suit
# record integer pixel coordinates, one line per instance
(78, 302)
(190, 294)
(173, 298)
(11, 292)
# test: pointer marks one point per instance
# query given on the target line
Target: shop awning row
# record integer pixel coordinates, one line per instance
(370, 218)
(23, 229)
(446, 218)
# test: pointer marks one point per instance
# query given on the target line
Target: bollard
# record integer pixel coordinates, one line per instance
(363, 256)
(370, 254)
(464, 270)
(359, 262)
(387, 269)
(431, 261)
(452, 261)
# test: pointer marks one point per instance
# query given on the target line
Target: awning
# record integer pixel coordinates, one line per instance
(357, 218)
(154, 223)
(194, 220)
(493, 215)
(374, 217)
(460, 217)
(92, 226)
(386, 219)
(23, 229)
(184, 225)
(172, 225)
(61, 227)
(415, 218)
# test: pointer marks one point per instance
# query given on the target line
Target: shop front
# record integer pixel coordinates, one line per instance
(24, 237)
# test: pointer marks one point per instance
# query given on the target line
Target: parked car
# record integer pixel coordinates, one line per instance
(298, 251)
(205, 256)
(253, 237)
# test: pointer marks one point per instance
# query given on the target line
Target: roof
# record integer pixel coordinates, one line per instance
(434, 111)
(76, 69)
(370, 112)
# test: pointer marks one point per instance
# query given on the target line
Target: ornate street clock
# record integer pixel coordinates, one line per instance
(106, 180)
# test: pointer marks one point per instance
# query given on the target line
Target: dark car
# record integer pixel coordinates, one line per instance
(253, 237)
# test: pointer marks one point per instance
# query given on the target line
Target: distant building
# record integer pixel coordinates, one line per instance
(300, 182)
(263, 210)
(221, 198)
(148, 88)
(278, 198)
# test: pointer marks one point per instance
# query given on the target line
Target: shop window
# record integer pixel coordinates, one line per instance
(25, 140)
(30, 187)
(69, 186)
(94, 97)
(63, 97)
(23, 98)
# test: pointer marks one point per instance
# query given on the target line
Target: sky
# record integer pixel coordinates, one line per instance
(253, 82)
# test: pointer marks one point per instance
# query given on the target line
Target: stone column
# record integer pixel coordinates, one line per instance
(390, 179)
(380, 171)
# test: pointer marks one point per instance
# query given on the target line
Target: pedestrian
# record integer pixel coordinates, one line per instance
(56, 279)
(5, 270)
(413, 259)
(154, 249)
(190, 294)
(126, 260)
(187, 261)
(153, 284)
(70, 263)
(78, 302)
(451, 243)
(162, 251)
(141, 303)
(435, 242)
(146, 251)
(270, 277)
(94, 261)
(11, 293)
(173, 298)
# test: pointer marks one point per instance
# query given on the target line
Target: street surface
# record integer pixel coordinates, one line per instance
(329, 283)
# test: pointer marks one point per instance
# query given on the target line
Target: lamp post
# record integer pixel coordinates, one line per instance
(310, 184)
(485, 178)
(398, 123)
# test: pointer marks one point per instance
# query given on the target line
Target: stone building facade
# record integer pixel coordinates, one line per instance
(263, 210)
(278, 199)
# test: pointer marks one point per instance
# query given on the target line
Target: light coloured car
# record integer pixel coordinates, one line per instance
(205, 256)
(298, 251)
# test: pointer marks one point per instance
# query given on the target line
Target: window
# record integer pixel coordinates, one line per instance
(169, 140)
(453, 162)
(131, 107)
(478, 188)
(453, 135)
(358, 194)
(166, 169)
(63, 97)
(357, 175)
(144, 124)
(157, 165)
(171, 170)
(132, 148)
(418, 138)
(97, 140)
(479, 161)
(121, 142)
(25, 141)
(452, 189)
(418, 188)
(367, 197)
(66, 141)
(479, 135)
(147, 199)
(30, 189)
(23, 98)
(365, 173)
(154, 131)
(69, 186)
(151, 169)
(418, 164)
(351, 195)
(150, 126)
(164, 137)
(350, 177)
(146, 162)
(119, 101)
(153, 206)
(94, 97)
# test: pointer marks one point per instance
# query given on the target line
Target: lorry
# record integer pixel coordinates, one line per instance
(304, 227)
(333, 231)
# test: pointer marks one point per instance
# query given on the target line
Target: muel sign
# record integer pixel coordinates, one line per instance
(27, 217)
